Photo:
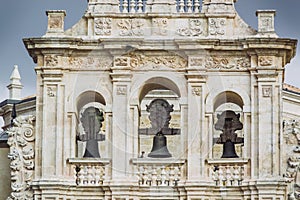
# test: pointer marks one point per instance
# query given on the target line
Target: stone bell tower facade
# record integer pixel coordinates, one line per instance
(220, 80)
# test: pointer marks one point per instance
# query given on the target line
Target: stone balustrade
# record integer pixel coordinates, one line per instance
(188, 6)
(228, 172)
(159, 172)
(89, 171)
(140, 6)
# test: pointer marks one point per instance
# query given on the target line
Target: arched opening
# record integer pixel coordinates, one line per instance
(91, 126)
(229, 106)
(163, 90)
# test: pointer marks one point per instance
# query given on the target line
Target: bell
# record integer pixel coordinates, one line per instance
(229, 150)
(159, 148)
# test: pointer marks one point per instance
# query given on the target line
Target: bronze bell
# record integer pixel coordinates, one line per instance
(229, 150)
(159, 148)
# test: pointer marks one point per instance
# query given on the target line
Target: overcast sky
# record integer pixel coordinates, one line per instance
(26, 18)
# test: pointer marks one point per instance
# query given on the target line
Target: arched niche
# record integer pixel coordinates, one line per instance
(228, 101)
(84, 101)
(159, 88)
(158, 83)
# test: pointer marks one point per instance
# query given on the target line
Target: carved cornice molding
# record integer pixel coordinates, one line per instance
(21, 139)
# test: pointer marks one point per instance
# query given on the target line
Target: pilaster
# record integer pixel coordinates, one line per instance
(196, 146)
(121, 148)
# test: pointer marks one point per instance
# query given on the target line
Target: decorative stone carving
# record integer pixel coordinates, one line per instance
(51, 60)
(216, 26)
(121, 61)
(194, 29)
(55, 22)
(160, 26)
(103, 26)
(227, 63)
(89, 62)
(50, 92)
(122, 90)
(154, 62)
(131, 27)
(291, 130)
(196, 91)
(21, 141)
(265, 60)
(194, 62)
(267, 91)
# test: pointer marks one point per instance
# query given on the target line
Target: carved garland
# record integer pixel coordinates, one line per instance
(155, 62)
(21, 141)
(221, 62)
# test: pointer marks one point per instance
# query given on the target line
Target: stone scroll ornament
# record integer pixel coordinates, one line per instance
(229, 122)
(91, 120)
(291, 130)
(21, 139)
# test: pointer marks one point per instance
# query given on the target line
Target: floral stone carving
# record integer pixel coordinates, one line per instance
(103, 26)
(292, 176)
(155, 62)
(21, 141)
(131, 27)
(194, 29)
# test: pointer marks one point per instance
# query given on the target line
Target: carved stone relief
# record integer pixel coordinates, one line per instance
(194, 29)
(266, 23)
(55, 22)
(122, 90)
(291, 132)
(103, 26)
(216, 26)
(155, 62)
(51, 92)
(131, 27)
(227, 63)
(267, 91)
(51, 60)
(196, 91)
(160, 26)
(121, 61)
(265, 60)
(21, 141)
(90, 62)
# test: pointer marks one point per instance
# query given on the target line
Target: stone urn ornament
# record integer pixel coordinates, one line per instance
(229, 122)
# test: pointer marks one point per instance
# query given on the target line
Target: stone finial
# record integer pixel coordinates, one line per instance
(266, 21)
(15, 86)
(56, 19)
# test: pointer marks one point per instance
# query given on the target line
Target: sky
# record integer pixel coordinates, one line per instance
(27, 18)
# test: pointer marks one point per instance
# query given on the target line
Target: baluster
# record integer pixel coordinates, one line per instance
(163, 176)
(236, 175)
(242, 174)
(215, 175)
(81, 175)
(154, 177)
(146, 174)
(132, 6)
(228, 175)
(97, 175)
(149, 178)
(125, 6)
(222, 178)
(176, 175)
(172, 173)
(181, 6)
(197, 6)
(189, 5)
(140, 6)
